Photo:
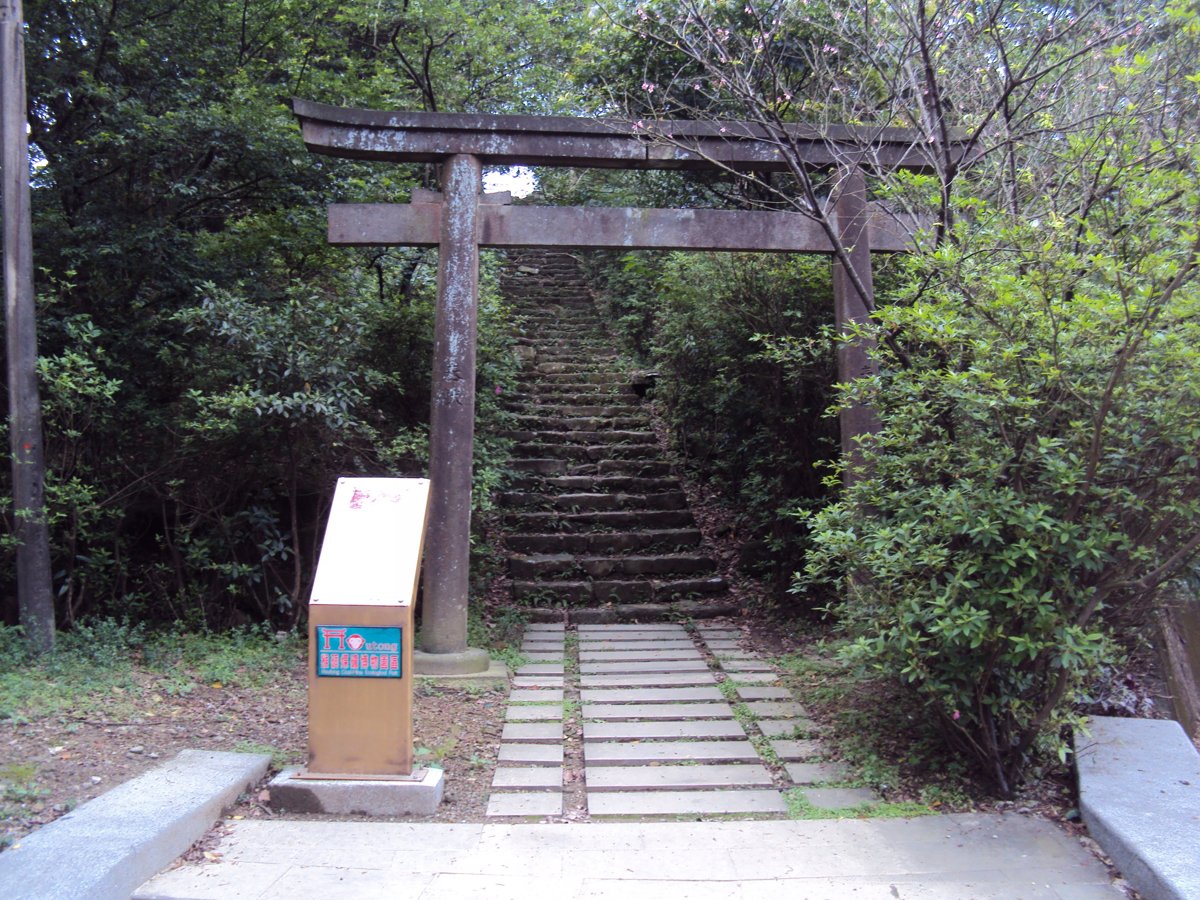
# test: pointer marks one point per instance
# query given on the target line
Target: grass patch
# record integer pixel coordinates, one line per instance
(799, 808)
(94, 668)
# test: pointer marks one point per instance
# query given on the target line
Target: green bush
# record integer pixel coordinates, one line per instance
(1036, 472)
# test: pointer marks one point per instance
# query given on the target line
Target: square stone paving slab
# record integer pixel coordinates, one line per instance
(638, 667)
(679, 711)
(638, 753)
(648, 679)
(541, 669)
(786, 728)
(635, 731)
(792, 751)
(525, 804)
(652, 627)
(776, 709)
(586, 656)
(536, 695)
(752, 692)
(676, 777)
(816, 773)
(545, 626)
(527, 777)
(537, 657)
(637, 645)
(550, 712)
(737, 666)
(531, 754)
(650, 695)
(667, 803)
(839, 798)
(536, 732)
(531, 681)
(739, 678)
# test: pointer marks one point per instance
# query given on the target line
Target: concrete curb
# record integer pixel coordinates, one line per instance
(110, 845)
(1139, 794)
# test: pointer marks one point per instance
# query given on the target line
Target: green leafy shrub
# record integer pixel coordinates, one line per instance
(1036, 470)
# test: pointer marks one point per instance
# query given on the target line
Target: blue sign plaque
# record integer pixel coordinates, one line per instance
(355, 651)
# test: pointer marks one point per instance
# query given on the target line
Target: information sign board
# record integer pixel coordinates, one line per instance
(356, 651)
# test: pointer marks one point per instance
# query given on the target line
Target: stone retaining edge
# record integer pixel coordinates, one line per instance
(109, 846)
(1139, 795)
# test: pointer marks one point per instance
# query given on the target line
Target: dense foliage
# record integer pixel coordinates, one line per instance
(1033, 481)
(209, 364)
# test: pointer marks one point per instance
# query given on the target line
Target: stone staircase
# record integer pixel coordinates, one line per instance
(595, 518)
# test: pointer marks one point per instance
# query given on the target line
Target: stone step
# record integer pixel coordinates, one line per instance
(588, 521)
(593, 453)
(667, 730)
(549, 422)
(536, 804)
(641, 667)
(590, 366)
(550, 565)
(620, 655)
(527, 778)
(531, 754)
(647, 679)
(567, 411)
(678, 777)
(589, 644)
(639, 467)
(646, 695)
(642, 712)
(515, 500)
(594, 484)
(651, 753)
(580, 438)
(686, 803)
(574, 378)
(613, 590)
(605, 542)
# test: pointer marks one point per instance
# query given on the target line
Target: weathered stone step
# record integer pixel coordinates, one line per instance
(545, 421)
(581, 502)
(590, 521)
(641, 667)
(615, 590)
(652, 753)
(595, 484)
(665, 540)
(594, 452)
(558, 367)
(666, 730)
(647, 679)
(639, 467)
(698, 777)
(685, 803)
(709, 693)
(569, 412)
(581, 438)
(607, 376)
(641, 712)
(551, 565)
(611, 654)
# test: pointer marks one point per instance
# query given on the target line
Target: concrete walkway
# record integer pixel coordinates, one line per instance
(934, 858)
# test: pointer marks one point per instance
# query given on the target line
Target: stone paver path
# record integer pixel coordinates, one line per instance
(663, 721)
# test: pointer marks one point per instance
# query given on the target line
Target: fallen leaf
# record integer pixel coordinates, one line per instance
(264, 796)
(212, 855)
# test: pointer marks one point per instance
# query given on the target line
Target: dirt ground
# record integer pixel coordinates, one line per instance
(69, 760)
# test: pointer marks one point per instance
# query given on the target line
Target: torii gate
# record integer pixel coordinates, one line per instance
(461, 219)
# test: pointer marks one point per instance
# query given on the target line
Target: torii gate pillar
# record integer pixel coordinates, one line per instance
(444, 648)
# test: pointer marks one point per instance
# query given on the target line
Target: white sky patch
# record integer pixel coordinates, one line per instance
(517, 179)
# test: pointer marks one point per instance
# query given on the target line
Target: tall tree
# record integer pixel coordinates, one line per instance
(34, 590)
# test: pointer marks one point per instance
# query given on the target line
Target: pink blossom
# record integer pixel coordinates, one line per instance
(955, 717)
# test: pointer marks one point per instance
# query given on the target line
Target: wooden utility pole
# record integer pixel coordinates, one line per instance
(35, 598)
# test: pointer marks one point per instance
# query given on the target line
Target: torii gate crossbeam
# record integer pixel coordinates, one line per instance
(461, 219)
